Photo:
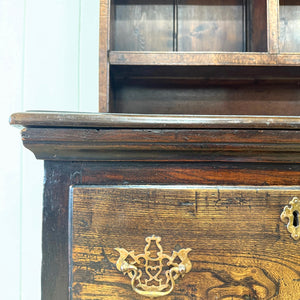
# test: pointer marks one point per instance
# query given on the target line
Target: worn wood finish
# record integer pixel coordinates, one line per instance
(193, 27)
(230, 257)
(211, 25)
(60, 175)
(189, 25)
(206, 97)
(257, 32)
(202, 59)
(164, 145)
(289, 26)
(273, 26)
(104, 46)
(96, 120)
(142, 26)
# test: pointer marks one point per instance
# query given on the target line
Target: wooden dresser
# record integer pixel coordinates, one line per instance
(186, 184)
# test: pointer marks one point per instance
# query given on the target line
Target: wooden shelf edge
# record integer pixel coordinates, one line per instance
(111, 120)
(203, 58)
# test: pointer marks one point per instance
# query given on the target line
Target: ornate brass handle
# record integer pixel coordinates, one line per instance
(146, 272)
(292, 214)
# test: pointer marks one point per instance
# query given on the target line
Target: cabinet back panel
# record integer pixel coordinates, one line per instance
(142, 26)
(189, 25)
(206, 97)
(214, 25)
(290, 26)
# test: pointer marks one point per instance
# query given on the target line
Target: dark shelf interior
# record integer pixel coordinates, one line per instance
(205, 90)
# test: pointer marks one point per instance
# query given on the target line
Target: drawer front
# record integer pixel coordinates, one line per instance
(240, 247)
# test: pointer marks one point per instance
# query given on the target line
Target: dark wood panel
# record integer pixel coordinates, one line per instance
(60, 175)
(214, 25)
(163, 145)
(142, 26)
(207, 97)
(285, 74)
(247, 258)
(256, 27)
(289, 26)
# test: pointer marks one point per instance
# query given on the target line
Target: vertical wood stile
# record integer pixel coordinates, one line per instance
(245, 25)
(273, 26)
(175, 25)
(104, 46)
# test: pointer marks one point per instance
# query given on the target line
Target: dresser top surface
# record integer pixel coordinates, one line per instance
(54, 119)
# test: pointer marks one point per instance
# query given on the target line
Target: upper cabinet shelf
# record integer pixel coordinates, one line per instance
(200, 57)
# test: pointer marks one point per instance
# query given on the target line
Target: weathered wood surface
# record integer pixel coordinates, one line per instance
(163, 145)
(240, 248)
(102, 120)
(273, 26)
(257, 27)
(211, 25)
(104, 46)
(289, 26)
(202, 59)
(142, 26)
(60, 175)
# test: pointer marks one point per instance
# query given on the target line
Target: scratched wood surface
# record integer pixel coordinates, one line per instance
(240, 248)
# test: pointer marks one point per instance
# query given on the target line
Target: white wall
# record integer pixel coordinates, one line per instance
(48, 61)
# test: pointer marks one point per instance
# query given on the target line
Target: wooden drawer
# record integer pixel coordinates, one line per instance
(240, 248)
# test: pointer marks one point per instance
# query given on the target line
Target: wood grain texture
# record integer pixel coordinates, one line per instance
(142, 26)
(273, 26)
(60, 175)
(104, 46)
(202, 59)
(289, 26)
(164, 145)
(210, 25)
(239, 246)
(257, 20)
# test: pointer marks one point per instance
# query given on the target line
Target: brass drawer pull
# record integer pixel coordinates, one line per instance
(292, 214)
(141, 265)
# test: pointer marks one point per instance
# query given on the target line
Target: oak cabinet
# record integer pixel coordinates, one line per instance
(237, 245)
(186, 183)
(219, 189)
